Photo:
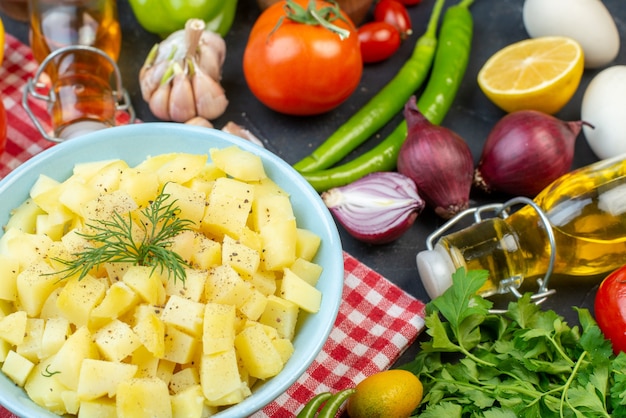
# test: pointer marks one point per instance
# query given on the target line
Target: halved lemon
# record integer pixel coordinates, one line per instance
(540, 74)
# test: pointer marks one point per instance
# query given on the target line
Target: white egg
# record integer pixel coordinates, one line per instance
(587, 21)
(604, 107)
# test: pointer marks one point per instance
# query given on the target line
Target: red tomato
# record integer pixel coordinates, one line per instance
(301, 69)
(610, 308)
(394, 13)
(379, 41)
(3, 127)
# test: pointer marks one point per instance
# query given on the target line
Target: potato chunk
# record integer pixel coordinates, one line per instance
(258, 354)
(13, 327)
(17, 367)
(184, 314)
(219, 328)
(146, 283)
(298, 291)
(219, 375)
(240, 164)
(79, 297)
(143, 397)
(99, 377)
(116, 340)
(229, 205)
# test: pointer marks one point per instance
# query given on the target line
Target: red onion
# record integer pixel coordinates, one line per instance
(439, 161)
(526, 151)
(377, 208)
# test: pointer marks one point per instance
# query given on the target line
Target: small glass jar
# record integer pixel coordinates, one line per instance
(77, 43)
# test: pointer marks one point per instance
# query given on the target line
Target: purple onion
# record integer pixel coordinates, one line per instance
(377, 208)
(525, 151)
(439, 161)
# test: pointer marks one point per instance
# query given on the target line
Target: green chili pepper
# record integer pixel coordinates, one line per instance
(451, 59)
(382, 107)
(334, 403)
(163, 17)
(449, 67)
(311, 407)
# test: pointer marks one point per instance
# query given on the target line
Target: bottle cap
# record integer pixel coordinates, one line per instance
(435, 269)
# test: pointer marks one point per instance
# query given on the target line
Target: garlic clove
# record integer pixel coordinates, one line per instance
(211, 103)
(211, 55)
(181, 104)
(235, 129)
(150, 78)
(199, 121)
(377, 208)
(158, 103)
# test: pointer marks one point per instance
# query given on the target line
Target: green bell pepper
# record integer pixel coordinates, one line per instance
(163, 17)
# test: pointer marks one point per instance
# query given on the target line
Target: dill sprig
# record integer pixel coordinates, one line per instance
(117, 241)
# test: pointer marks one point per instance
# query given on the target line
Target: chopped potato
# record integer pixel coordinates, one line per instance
(127, 339)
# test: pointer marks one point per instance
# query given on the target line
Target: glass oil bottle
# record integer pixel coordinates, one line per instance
(575, 227)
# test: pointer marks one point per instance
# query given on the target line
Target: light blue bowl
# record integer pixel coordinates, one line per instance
(133, 144)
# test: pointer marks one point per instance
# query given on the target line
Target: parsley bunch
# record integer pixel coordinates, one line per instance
(527, 362)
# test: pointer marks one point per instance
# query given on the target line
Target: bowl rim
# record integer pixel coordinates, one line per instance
(101, 145)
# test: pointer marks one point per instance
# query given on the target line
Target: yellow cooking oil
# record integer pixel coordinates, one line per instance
(587, 213)
(80, 80)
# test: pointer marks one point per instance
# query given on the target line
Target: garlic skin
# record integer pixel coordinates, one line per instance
(188, 64)
(242, 132)
(377, 208)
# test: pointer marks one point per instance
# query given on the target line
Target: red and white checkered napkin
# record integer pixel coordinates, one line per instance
(23, 138)
(377, 320)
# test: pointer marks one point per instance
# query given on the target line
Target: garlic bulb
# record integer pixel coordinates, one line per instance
(180, 78)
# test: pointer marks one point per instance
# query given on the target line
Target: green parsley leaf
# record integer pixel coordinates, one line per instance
(526, 362)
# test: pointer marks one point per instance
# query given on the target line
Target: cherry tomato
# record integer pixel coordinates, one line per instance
(610, 308)
(394, 12)
(301, 69)
(3, 128)
(379, 41)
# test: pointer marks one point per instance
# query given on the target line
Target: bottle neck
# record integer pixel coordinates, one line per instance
(503, 247)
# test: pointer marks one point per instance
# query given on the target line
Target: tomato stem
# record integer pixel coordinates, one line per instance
(310, 15)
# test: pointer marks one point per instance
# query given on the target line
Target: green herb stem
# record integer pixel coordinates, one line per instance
(114, 241)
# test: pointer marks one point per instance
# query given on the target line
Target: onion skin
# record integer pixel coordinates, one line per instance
(439, 161)
(378, 208)
(525, 151)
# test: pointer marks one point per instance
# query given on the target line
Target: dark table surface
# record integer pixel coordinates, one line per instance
(497, 24)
